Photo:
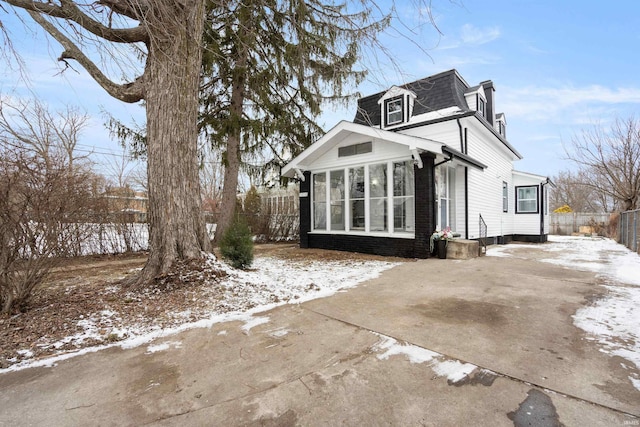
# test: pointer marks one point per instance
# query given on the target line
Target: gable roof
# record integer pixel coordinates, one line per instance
(443, 90)
(344, 129)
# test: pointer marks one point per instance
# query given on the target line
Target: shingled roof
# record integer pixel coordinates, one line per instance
(433, 93)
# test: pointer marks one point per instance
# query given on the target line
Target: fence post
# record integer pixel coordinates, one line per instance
(635, 231)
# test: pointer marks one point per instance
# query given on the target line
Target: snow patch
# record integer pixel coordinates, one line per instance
(454, 370)
(612, 321)
(269, 283)
(163, 346)
(253, 322)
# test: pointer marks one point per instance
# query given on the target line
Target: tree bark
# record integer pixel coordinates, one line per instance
(231, 169)
(172, 77)
(232, 159)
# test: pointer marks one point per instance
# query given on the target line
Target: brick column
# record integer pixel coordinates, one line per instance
(305, 210)
(425, 205)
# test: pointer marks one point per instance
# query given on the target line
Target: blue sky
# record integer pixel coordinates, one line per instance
(557, 66)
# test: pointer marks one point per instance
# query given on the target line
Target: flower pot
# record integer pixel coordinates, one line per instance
(442, 249)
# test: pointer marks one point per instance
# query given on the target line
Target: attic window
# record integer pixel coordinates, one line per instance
(393, 109)
(352, 150)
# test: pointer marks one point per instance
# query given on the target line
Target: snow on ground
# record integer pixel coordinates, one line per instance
(454, 370)
(268, 280)
(613, 321)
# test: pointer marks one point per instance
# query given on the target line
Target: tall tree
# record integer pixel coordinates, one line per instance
(167, 35)
(269, 66)
(609, 160)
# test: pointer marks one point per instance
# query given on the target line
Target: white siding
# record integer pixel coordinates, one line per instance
(382, 151)
(445, 132)
(485, 187)
(529, 223)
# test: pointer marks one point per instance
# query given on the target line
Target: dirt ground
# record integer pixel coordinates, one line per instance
(81, 287)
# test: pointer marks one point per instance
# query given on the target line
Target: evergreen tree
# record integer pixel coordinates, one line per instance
(268, 67)
(236, 244)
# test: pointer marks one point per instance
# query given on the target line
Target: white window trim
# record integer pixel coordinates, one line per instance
(387, 103)
(347, 213)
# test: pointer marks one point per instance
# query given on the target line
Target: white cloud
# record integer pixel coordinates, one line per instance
(473, 35)
(470, 36)
(576, 105)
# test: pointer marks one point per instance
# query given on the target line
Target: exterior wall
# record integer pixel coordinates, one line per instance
(446, 132)
(528, 225)
(485, 187)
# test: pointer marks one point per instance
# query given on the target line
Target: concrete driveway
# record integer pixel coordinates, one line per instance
(488, 341)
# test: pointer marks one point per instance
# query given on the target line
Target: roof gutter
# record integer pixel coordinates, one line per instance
(463, 158)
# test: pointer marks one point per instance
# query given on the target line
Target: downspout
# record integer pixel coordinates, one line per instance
(463, 149)
(466, 190)
(543, 196)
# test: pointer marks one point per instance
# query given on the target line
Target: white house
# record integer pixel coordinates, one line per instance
(418, 158)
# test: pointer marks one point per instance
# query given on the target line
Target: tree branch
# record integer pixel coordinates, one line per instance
(69, 10)
(128, 92)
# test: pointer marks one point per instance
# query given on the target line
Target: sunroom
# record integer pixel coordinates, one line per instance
(374, 191)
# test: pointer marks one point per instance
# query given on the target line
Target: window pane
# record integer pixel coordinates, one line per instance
(378, 212)
(527, 199)
(403, 214)
(319, 187)
(337, 215)
(505, 197)
(357, 214)
(527, 206)
(394, 111)
(377, 180)
(337, 199)
(403, 179)
(319, 201)
(320, 216)
(444, 218)
(356, 183)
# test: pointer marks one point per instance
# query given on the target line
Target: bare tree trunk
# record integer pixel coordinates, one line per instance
(176, 223)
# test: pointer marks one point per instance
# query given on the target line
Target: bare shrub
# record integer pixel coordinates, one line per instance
(41, 205)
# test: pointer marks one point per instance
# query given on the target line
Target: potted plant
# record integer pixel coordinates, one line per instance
(438, 242)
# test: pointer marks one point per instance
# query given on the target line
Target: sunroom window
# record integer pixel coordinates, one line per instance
(527, 199)
(337, 199)
(320, 201)
(375, 198)
(356, 198)
(403, 194)
(378, 197)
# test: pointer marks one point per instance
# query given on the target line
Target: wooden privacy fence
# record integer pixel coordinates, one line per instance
(630, 229)
(566, 224)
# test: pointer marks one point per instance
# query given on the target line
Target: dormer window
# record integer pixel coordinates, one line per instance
(501, 125)
(481, 107)
(394, 111)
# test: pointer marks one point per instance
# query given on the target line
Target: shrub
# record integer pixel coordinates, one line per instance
(40, 206)
(236, 244)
